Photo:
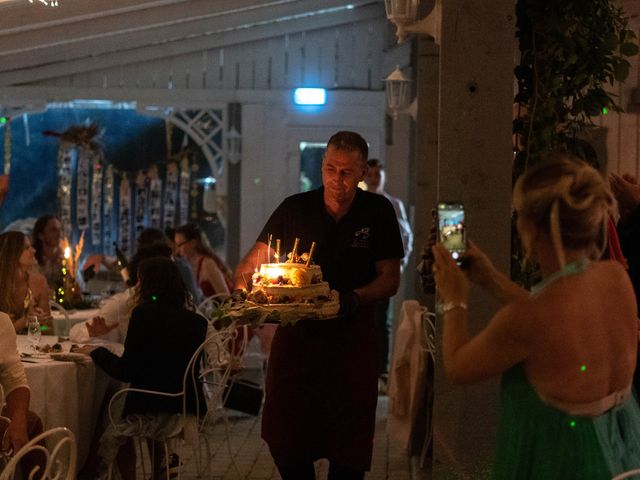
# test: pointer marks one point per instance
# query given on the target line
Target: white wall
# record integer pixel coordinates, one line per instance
(270, 156)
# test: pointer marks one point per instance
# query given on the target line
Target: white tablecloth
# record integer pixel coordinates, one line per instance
(67, 394)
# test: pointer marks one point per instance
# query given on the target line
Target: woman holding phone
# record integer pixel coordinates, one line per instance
(566, 350)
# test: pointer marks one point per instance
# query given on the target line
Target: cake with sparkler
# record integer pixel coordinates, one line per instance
(295, 286)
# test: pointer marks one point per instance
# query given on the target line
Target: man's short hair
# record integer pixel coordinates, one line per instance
(374, 162)
(349, 142)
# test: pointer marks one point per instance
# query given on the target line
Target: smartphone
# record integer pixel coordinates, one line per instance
(451, 229)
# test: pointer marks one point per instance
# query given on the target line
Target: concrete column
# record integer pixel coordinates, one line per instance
(464, 153)
(234, 114)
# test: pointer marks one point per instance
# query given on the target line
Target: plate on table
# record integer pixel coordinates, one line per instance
(70, 357)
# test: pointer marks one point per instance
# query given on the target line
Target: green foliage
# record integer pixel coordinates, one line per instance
(572, 52)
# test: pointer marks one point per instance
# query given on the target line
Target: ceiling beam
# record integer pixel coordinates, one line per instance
(211, 40)
(78, 41)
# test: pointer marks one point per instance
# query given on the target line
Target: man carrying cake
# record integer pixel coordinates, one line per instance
(321, 388)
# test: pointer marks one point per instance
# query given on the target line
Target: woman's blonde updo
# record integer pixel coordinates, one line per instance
(569, 200)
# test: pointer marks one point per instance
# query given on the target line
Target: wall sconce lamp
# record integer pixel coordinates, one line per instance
(234, 146)
(398, 92)
(404, 15)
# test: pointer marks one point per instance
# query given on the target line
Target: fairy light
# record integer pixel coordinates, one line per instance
(47, 3)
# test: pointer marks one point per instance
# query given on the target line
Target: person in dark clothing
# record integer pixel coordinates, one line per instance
(161, 339)
(163, 243)
(627, 192)
(321, 387)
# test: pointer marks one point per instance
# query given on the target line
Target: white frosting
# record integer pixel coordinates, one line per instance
(294, 288)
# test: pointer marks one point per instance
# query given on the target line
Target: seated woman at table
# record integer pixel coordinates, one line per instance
(567, 350)
(213, 276)
(162, 337)
(27, 292)
(112, 320)
(25, 424)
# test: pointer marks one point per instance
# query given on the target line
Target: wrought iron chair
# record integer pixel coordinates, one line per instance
(208, 371)
(59, 460)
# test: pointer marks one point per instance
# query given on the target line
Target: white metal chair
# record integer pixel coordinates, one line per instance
(209, 304)
(60, 458)
(208, 371)
(216, 367)
(631, 473)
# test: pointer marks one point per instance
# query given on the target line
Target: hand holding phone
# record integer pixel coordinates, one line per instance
(451, 229)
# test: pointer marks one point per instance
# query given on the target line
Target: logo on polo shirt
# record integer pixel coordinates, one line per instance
(361, 238)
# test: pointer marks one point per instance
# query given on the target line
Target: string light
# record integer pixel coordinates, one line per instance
(48, 3)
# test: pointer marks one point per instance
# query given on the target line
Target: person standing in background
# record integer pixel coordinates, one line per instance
(627, 192)
(375, 179)
(47, 234)
(212, 274)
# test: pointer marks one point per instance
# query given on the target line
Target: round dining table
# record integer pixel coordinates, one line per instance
(67, 391)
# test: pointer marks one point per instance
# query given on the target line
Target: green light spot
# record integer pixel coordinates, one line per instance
(583, 368)
(572, 423)
(3, 119)
(605, 110)
(154, 298)
(43, 328)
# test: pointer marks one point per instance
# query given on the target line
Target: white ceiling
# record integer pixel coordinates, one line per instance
(39, 42)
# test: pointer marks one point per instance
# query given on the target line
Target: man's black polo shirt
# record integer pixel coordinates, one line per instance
(345, 250)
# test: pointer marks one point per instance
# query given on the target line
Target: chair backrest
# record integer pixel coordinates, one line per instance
(209, 304)
(208, 371)
(211, 368)
(631, 473)
(57, 451)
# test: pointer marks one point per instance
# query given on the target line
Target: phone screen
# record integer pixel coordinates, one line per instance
(451, 228)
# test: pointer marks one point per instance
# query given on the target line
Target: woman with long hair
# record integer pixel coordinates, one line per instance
(162, 337)
(567, 349)
(213, 276)
(24, 292)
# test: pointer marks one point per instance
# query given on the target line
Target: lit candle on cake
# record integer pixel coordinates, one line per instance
(313, 246)
(295, 249)
(277, 250)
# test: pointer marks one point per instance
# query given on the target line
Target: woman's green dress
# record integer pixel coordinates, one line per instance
(537, 441)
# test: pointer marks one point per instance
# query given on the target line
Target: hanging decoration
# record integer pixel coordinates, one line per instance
(107, 209)
(96, 201)
(185, 182)
(124, 223)
(7, 146)
(170, 195)
(66, 151)
(155, 198)
(142, 203)
(73, 141)
(85, 158)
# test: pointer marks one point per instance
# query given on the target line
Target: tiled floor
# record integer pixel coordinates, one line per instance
(252, 459)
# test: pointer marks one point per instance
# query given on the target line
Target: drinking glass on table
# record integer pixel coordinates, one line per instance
(34, 331)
